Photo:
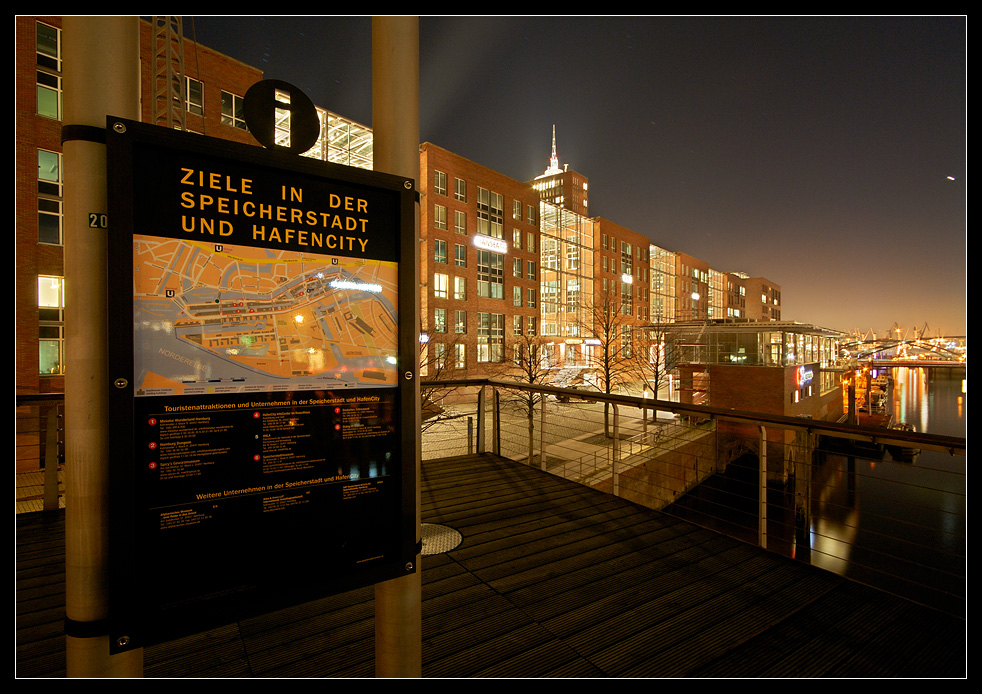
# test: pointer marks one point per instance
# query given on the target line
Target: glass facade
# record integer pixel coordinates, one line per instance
(565, 272)
(341, 141)
(770, 345)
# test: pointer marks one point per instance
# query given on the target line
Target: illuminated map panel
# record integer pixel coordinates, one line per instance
(220, 318)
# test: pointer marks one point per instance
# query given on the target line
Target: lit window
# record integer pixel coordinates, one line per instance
(439, 355)
(490, 337)
(460, 322)
(439, 216)
(51, 325)
(490, 275)
(48, 71)
(460, 190)
(460, 222)
(50, 214)
(459, 289)
(195, 97)
(440, 285)
(440, 182)
(440, 320)
(233, 111)
(490, 213)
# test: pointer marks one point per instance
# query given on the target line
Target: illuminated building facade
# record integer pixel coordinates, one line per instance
(479, 265)
(567, 261)
(662, 289)
(791, 366)
(693, 288)
(500, 259)
(736, 295)
(763, 299)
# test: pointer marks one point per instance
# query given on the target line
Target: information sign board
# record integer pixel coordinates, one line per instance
(262, 360)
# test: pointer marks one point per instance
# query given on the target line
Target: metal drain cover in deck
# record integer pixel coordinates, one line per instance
(438, 538)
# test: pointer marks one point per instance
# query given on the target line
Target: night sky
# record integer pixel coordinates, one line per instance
(813, 151)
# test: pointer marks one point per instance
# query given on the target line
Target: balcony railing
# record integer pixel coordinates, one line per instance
(39, 451)
(882, 506)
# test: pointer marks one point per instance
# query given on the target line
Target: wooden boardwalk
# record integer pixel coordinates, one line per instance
(551, 579)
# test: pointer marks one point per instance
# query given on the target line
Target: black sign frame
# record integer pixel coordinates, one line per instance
(327, 504)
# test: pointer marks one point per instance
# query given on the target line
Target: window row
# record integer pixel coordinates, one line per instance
(233, 106)
(438, 357)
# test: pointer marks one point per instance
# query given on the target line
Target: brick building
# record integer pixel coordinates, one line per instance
(479, 264)
(501, 260)
(215, 87)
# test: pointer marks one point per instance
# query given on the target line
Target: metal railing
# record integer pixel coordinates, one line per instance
(39, 451)
(883, 506)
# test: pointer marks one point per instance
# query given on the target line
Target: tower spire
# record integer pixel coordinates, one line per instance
(554, 159)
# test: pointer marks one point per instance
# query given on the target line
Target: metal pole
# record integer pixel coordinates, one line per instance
(51, 459)
(616, 452)
(102, 77)
(542, 431)
(480, 422)
(395, 121)
(496, 423)
(762, 490)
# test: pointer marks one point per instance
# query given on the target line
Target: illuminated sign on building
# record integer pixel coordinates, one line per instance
(489, 243)
(803, 375)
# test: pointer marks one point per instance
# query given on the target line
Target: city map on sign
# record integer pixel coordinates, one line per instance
(220, 318)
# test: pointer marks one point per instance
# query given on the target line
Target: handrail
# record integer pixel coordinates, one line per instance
(952, 445)
(48, 404)
(782, 483)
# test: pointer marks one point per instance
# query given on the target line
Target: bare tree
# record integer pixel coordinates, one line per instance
(613, 357)
(436, 363)
(654, 347)
(527, 360)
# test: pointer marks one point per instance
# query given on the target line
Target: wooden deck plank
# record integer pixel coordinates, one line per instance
(550, 579)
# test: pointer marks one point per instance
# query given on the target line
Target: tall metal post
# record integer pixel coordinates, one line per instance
(102, 77)
(762, 490)
(616, 454)
(395, 122)
(542, 431)
(481, 442)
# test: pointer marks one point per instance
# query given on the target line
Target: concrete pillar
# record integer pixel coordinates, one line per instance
(102, 77)
(395, 122)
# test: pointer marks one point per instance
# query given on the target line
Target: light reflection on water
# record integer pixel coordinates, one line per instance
(894, 524)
